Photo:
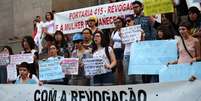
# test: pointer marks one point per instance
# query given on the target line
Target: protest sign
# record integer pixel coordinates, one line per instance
(19, 58)
(93, 66)
(70, 66)
(153, 7)
(4, 59)
(191, 3)
(175, 91)
(11, 72)
(75, 20)
(179, 72)
(148, 57)
(50, 69)
(131, 34)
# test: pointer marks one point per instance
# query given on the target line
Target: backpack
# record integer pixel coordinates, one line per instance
(108, 56)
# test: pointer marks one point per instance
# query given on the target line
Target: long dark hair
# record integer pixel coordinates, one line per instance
(9, 49)
(103, 41)
(51, 14)
(30, 42)
(62, 40)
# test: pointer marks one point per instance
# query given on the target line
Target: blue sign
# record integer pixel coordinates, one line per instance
(50, 69)
(148, 57)
(180, 72)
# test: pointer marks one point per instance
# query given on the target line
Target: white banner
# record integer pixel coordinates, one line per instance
(131, 34)
(93, 66)
(70, 66)
(175, 91)
(75, 20)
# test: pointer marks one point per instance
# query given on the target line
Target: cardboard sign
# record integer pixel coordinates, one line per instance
(92, 66)
(153, 7)
(70, 66)
(148, 57)
(131, 34)
(50, 69)
(179, 72)
(11, 72)
(19, 58)
(4, 59)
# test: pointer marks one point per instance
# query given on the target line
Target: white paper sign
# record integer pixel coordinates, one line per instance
(92, 66)
(4, 59)
(131, 34)
(11, 72)
(70, 66)
(19, 58)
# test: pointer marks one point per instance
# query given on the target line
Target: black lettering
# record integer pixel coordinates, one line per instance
(74, 96)
(121, 95)
(63, 96)
(140, 93)
(106, 96)
(52, 97)
(81, 93)
(96, 93)
(114, 96)
(44, 95)
(132, 95)
(89, 97)
(36, 95)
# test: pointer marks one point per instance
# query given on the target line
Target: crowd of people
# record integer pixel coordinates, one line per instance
(46, 43)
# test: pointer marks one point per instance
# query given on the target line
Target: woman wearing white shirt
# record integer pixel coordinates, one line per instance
(99, 52)
(48, 27)
(118, 47)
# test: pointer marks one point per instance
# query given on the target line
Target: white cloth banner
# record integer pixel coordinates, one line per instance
(75, 20)
(131, 34)
(175, 91)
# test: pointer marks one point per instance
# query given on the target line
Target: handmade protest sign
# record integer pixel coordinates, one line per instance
(153, 7)
(70, 66)
(131, 34)
(19, 58)
(4, 59)
(93, 66)
(148, 57)
(50, 69)
(11, 72)
(179, 72)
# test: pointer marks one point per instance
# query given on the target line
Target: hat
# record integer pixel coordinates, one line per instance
(78, 37)
(93, 18)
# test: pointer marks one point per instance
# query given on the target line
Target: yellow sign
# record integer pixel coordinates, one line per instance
(153, 7)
